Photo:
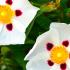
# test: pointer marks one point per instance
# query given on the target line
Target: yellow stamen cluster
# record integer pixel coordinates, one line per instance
(59, 54)
(6, 14)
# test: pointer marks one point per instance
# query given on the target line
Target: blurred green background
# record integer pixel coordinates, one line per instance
(12, 56)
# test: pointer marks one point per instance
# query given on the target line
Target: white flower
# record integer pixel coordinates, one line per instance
(15, 16)
(51, 50)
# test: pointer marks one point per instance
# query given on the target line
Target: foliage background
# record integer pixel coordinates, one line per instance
(12, 56)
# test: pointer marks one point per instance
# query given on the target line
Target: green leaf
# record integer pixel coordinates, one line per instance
(64, 3)
(39, 1)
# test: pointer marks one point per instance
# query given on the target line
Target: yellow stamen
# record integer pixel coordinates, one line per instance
(59, 54)
(6, 14)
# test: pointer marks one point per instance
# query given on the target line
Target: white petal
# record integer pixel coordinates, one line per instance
(63, 29)
(68, 48)
(35, 64)
(42, 40)
(18, 25)
(55, 67)
(11, 37)
(28, 11)
(68, 63)
(1, 27)
(2, 2)
(27, 16)
(43, 55)
(22, 5)
(68, 69)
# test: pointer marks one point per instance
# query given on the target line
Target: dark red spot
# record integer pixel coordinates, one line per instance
(18, 12)
(63, 66)
(9, 2)
(50, 63)
(9, 27)
(65, 43)
(49, 46)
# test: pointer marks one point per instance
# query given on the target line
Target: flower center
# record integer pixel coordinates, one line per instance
(6, 14)
(59, 54)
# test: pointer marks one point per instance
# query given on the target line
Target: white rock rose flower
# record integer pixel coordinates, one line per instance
(51, 50)
(15, 16)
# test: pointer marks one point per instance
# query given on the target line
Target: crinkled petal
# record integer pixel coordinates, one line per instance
(2, 2)
(43, 55)
(63, 29)
(28, 11)
(11, 37)
(42, 40)
(55, 67)
(22, 5)
(68, 63)
(27, 16)
(68, 48)
(1, 27)
(19, 26)
(37, 64)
